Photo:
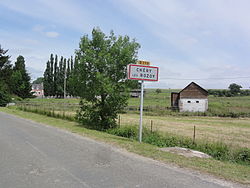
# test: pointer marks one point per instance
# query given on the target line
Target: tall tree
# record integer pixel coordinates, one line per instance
(55, 77)
(100, 76)
(5, 77)
(47, 83)
(21, 79)
(60, 77)
(68, 76)
(5, 68)
(51, 76)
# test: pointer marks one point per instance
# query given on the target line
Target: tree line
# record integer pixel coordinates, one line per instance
(14, 79)
(232, 91)
(57, 75)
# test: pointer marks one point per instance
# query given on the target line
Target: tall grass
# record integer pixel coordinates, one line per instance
(49, 113)
(217, 150)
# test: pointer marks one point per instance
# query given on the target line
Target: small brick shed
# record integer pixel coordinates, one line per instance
(193, 98)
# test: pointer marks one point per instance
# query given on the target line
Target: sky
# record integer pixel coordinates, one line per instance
(207, 42)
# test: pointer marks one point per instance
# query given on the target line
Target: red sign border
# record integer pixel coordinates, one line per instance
(135, 65)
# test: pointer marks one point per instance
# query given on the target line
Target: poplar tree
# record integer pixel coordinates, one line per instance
(68, 76)
(51, 76)
(47, 84)
(55, 77)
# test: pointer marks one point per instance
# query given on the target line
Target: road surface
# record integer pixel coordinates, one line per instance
(34, 155)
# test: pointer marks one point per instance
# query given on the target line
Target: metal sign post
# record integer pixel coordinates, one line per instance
(143, 73)
(141, 111)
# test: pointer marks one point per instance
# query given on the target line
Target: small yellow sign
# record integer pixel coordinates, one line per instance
(143, 62)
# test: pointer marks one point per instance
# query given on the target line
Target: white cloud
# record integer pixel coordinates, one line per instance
(64, 12)
(43, 30)
(51, 34)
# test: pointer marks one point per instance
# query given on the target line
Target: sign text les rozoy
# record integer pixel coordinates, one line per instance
(140, 72)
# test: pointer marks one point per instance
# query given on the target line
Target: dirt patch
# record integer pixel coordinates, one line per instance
(186, 152)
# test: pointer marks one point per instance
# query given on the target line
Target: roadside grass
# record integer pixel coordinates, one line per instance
(227, 170)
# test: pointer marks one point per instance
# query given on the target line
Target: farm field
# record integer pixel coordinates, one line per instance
(159, 103)
(232, 131)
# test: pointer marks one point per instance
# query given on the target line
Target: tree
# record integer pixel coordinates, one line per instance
(47, 83)
(55, 78)
(4, 95)
(158, 91)
(60, 77)
(5, 77)
(39, 80)
(234, 89)
(5, 69)
(21, 79)
(49, 75)
(100, 77)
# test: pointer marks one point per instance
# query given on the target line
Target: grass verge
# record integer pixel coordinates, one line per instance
(227, 170)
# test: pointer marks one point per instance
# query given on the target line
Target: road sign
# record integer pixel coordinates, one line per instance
(143, 62)
(143, 73)
(140, 72)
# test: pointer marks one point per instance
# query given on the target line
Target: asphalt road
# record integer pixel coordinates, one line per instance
(34, 155)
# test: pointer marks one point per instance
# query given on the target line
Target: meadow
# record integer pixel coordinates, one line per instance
(158, 104)
(227, 120)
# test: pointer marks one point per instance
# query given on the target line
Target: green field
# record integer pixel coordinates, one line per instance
(158, 104)
(214, 125)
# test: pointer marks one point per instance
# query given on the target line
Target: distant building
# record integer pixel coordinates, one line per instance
(192, 98)
(37, 90)
(136, 93)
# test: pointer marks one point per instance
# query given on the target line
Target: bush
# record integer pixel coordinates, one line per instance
(241, 155)
(4, 98)
(126, 131)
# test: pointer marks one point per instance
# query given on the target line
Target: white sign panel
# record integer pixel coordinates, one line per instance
(140, 72)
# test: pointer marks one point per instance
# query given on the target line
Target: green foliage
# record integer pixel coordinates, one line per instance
(125, 131)
(55, 74)
(5, 70)
(158, 91)
(234, 88)
(4, 95)
(39, 80)
(20, 79)
(100, 77)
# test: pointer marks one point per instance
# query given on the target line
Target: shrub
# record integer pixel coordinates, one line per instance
(4, 98)
(126, 131)
(242, 155)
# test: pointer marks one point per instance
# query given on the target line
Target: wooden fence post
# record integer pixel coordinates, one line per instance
(194, 136)
(119, 121)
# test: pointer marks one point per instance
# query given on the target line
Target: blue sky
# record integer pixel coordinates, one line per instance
(203, 41)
